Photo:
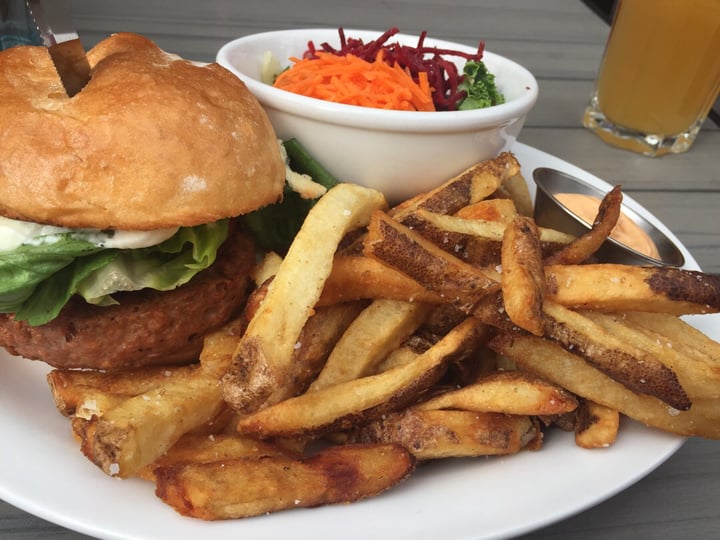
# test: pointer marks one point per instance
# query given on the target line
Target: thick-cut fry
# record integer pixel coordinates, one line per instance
(500, 210)
(617, 287)
(70, 386)
(443, 434)
(572, 372)
(399, 357)
(517, 189)
(318, 340)
(355, 277)
(246, 487)
(486, 229)
(523, 278)
(410, 253)
(597, 425)
(473, 239)
(474, 184)
(96, 402)
(699, 378)
(263, 365)
(583, 247)
(708, 407)
(193, 448)
(219, 347)
(632, 366)
(379, 329)
(141, 429)
(342, 405)
(508, 392)
(679, 334)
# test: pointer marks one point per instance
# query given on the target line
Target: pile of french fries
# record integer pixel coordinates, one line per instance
(450, 325)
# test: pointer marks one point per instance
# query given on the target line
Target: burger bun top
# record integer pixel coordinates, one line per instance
(152, 141)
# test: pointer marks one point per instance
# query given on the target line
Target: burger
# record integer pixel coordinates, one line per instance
(119, 243)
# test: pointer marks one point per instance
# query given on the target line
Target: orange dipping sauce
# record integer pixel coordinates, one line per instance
(626, 231)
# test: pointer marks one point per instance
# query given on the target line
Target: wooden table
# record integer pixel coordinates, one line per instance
(561, 42)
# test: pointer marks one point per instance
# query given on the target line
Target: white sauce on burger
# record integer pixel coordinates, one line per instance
(15, 233)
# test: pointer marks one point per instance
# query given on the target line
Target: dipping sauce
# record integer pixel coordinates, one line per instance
(626, 231)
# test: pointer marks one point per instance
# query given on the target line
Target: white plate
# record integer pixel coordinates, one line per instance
(43, 472)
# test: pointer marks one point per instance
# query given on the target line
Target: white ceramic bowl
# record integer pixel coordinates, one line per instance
(400, 153)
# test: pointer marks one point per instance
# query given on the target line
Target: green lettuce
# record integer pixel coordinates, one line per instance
(480, 86)
(37, 280)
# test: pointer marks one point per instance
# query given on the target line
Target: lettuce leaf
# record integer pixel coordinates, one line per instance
(36, 281)
(23, 268)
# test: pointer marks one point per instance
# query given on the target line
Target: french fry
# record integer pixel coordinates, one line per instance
(372, 335)
(131, 382)
(473, 239)
(142, 428)
(553, 363)
(129, 419)
(263, 364)
(355, 277)
(69, 387)
(699, 378)
(597, 425)
(193, 448)
(508, 392)
(399, 357)
(708, 407)
(95, 403)
(632, 366)
(219, 347)
(499, 210)
(584, 246)
(474, 184)
(523, 278)
(683, 336)
(517, 189)
(246, 487)
(617, 287)
(318, 339)
(487, 230)
(343, 405)
(421, 260)
(435, 434)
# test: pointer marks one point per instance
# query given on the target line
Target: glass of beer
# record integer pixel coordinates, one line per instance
(659, 76)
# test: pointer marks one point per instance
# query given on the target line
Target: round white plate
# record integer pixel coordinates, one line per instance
(43, 472)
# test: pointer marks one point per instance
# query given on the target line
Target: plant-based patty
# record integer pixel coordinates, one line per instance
(147, 327)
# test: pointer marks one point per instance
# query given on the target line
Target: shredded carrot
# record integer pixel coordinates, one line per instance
(353, 81)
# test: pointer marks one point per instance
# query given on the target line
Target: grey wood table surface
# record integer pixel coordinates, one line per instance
(561, 42)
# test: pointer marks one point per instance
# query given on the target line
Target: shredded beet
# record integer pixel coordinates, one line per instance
(442, 73)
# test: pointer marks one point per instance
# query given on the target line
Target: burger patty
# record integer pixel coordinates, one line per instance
(147, 327)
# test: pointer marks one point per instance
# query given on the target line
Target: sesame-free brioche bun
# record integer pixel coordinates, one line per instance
(152, 141)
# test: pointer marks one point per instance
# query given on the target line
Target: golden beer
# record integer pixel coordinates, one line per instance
(659, 76)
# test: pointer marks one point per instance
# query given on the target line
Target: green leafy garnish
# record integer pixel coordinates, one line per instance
(480, 86)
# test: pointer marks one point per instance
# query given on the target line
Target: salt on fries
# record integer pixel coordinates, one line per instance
(448, 326)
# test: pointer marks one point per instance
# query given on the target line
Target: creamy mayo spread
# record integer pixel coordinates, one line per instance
(15, 233)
